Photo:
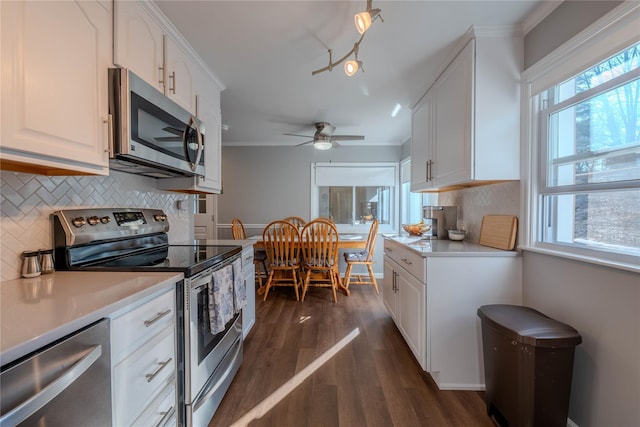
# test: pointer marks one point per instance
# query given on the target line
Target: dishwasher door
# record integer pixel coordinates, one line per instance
(67, 383)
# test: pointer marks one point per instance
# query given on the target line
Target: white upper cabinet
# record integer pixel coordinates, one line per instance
(138, 43)
(466, 128)
(147, 44)
(55, 57)
(179, 67)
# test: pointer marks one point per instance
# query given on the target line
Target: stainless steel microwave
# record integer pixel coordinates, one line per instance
(150, 134)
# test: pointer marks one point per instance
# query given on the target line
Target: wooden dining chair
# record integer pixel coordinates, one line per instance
(297, 221)
(364, 257)
(259, 256)
(281, 239)
(319, 242)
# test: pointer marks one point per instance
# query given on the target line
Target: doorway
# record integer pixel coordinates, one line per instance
(204, 218)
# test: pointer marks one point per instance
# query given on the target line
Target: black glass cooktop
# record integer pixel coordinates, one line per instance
(188, 259)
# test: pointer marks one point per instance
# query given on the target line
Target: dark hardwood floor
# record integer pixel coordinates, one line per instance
(373, 380)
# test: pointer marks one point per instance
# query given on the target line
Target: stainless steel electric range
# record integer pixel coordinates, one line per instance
(126, 239)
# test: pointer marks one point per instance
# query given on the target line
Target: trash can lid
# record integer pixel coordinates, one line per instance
(528, 326)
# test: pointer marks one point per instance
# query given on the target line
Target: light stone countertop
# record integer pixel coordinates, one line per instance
(435, 247)
(35, 312)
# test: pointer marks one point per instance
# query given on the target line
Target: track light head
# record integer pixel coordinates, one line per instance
(352, 67)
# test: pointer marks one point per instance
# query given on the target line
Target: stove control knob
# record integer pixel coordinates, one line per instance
(78, 222)
(160, 217)
(93, 220)
(105, 220)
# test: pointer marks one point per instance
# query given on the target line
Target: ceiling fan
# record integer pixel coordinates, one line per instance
(324, 139)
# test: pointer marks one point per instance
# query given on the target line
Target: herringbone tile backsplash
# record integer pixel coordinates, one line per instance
(26, 202)
(475, 202)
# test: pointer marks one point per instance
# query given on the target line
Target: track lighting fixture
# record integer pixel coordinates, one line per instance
(363, 21)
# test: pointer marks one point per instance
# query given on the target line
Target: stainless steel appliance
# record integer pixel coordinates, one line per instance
(441, 219)
(65, 384)
(150, 134)
(126, 239)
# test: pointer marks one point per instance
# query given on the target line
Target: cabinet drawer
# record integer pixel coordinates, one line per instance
(139, 378)
(161, 411)
(407, 259)
(132, 329)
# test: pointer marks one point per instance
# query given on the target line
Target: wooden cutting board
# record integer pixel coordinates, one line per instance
(499, 231)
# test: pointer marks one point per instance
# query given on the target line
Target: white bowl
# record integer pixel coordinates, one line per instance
(456, 234)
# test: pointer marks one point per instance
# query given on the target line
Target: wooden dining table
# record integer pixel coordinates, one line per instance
(345, 241)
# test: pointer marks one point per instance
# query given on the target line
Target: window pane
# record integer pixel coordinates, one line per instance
(603, 220)
(597, 140)
(371, 203)
(336, 203)
(601, 73)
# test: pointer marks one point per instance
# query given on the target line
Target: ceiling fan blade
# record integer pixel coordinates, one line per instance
(335, 144)
(347, 137)
(297, 134)
(304, 143)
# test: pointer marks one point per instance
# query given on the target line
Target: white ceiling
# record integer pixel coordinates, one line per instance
(264, 53)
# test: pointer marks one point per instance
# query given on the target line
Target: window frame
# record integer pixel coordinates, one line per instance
(360, 228)
(610, 34)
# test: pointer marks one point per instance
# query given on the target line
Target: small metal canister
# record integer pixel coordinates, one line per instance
(46, 261)
(30, 264)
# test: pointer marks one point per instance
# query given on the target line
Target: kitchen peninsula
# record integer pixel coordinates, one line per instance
(433, 288)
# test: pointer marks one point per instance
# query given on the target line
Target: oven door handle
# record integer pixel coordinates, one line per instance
(47, 394)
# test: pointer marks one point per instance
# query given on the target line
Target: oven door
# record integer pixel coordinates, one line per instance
(211, 360)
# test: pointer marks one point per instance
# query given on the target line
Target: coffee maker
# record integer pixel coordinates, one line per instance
(441, 219)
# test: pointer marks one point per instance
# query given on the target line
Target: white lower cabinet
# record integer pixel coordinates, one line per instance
(434, 300)
(249, 277)
(143, 357)
(404, 295)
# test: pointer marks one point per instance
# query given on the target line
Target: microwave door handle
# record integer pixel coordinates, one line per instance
(193, 124)
(47, 394)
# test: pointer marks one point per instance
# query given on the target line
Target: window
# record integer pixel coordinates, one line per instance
(584, 193)
(353, 195)
(411, 204)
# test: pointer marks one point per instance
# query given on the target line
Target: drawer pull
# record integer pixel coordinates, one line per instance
(406, 261)
(165, 415)
(150, 377)
(159, 316)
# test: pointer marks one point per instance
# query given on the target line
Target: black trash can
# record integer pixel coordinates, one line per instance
(528, 364)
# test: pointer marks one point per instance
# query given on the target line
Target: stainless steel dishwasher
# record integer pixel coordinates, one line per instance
(67, 383)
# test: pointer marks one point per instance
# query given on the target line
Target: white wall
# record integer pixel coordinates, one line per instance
(603, 304)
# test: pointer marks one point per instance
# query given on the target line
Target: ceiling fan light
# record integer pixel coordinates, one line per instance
(362, 21)
(351, 67)
(322, 145)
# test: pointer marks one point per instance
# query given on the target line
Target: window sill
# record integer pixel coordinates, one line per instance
(635, 268)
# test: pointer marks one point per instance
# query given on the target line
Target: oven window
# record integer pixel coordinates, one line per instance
(206, 340)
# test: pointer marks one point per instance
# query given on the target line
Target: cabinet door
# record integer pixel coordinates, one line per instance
(421, 141)
(389, 294)
(249, 277)
(55, 57)
(208, 110)
(411, 314)
(452, 149)
(138, 42)
(180, 84)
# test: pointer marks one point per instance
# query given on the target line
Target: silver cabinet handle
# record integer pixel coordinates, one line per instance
(165, 416)
(426, 172)
(161, 79)
(150, 377)
(172, 80)
(109, 122)
(32, 404)
(159, 316)
(406, 261)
